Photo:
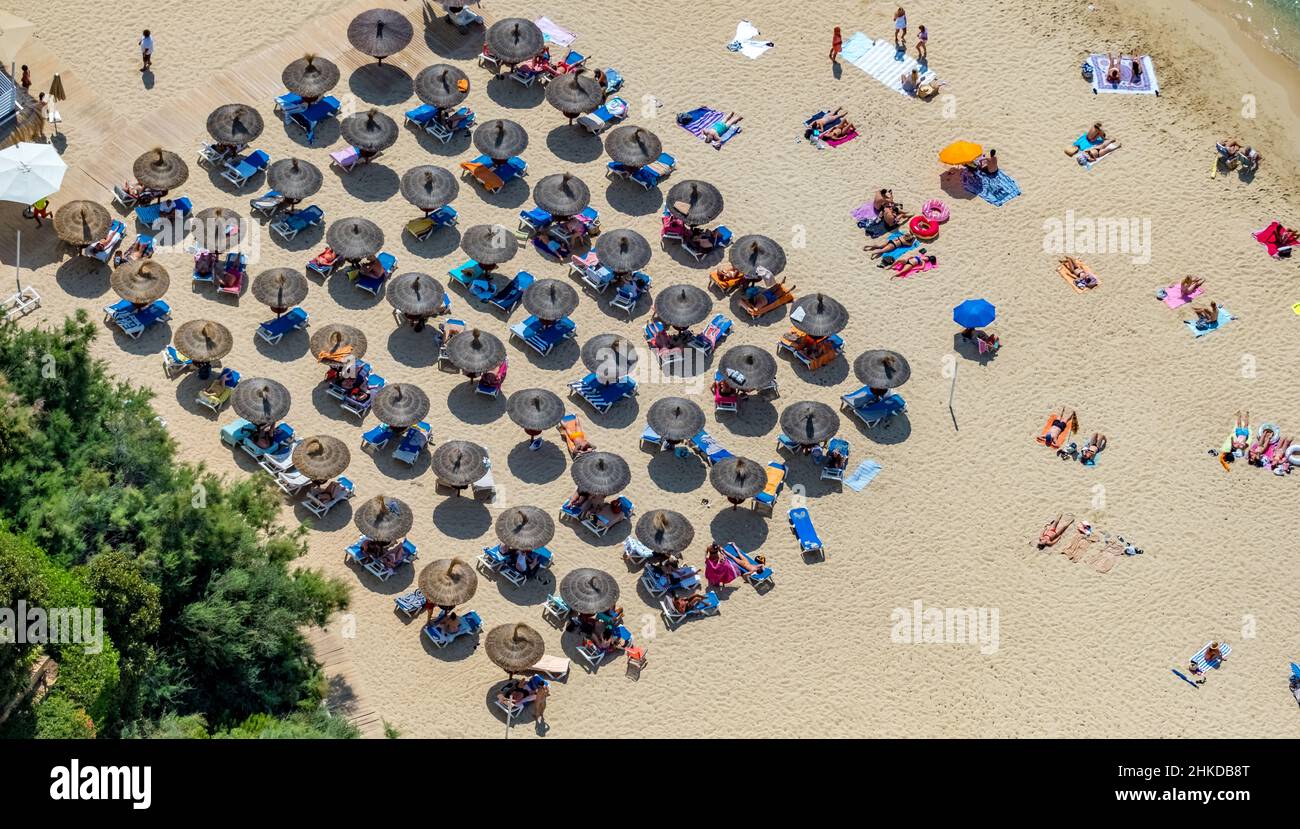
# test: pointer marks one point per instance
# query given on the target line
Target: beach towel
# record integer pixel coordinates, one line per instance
(835, 142)
(1072, 281)
(1224, 319)
(865, 473)
(747, 41)
(551, 33)
(701, 125)
(1174, 297)
(926, 266)
(1146, 86)
(883, 61)
(1083, 143)
(997, 189)
(1199, 658)
(1276, 239)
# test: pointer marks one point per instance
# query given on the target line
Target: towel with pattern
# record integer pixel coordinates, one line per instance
(997, 189)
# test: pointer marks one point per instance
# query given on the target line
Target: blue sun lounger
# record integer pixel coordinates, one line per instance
(412, 603)
(238, 171)
(413, 442)
(836, 473)
(672, 618)
(543, 338)
(657, 583)
(709, 450)
(509, 296)
(378, 437)
(760, 577)
(602, 396)
(382, 571)
(311, 117)
(151, 214)
(272, 331)
(802, 527)
(470, 623)
(135, 324)
(291, 225)
(421, 115)
(880, 410)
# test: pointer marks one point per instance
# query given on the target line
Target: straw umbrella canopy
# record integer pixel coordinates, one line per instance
(562, 194)
(694, 202)
(573, 94)
(475, 351)
(515, 40)
(459, 463)
(321, 457)
(818, 315)
(261, 401)
(401, 404)
(665, 531)
(514, 648)
(489, 244)
(623, 250)
(416, 294)
(749, 253)
(525, 528)
(535, 409)
(294, 178)
(280, 288)
(738, 479)
(310, 76)
(140, 282)
(354, 238)
(236, 124)
(609, 356)
(440, 86)
(601, 473)
(756, 364)
(500, 139)
(882, 369)
(380, 33)
(633, 146)
(332, 337)
(81, 222)
(369, 131)
(675, 418)
(429, 187)
(588, 590)
(203, 340)
(807, 422)
(217, 228)
(550, 299)
(160, 169)
(682, 306)
(384, 519)
(448, 582)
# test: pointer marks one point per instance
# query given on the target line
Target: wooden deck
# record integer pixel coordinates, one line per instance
(343, 697)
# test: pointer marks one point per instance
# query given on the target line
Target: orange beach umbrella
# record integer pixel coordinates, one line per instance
(960, 152)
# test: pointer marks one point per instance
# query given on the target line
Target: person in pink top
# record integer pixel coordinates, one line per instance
(719, 570)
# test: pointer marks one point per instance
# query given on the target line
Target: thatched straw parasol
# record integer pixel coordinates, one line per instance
(562, 194)
(489, 244)
(535, 409)
(416, 294)
(609, 356)
(354, 238)
(882, 369)
(160, 169)
(633, 146)
(441, 85)
(818, 315)
(332, 337)
(683, 305)
(600, 473)
(588, 590)
(514, 648)
(448, 582)
(756, 364)
(261, 401)
(737, 478)
(664, 531)
(622, 250)
(515, 40)
(236, 124)
(380, 33)
(203, 340)
(525, 527)
(500, 139)
(574, 93)
(280, 288)
(321, 457)
(384, 519)
(141, 281)
(749, 253)
(310, 76)
(370, 131)
(459, 463)
(694, 202)
(550, 299)
(81, 222)
(218, 229)
(675, 418)
(429, 187)
(294, 178)
(475, 351)
(808, 422)
(401, 404)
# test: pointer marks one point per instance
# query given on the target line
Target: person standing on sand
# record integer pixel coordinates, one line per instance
(922, 38)
(900, 28)
(146, 51)
(42, 112)
(26, 81)
(837, 43)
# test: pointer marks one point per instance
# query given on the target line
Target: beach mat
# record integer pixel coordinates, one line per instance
(1224, 319)
(1174, 297)
(997, 190)
(865, 473)
(1147, 86)
(882, 60)
(702, 121)
(552, 33)
(747, 41)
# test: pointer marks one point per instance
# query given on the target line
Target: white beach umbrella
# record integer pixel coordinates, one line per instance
(14, 32)
(30, 172)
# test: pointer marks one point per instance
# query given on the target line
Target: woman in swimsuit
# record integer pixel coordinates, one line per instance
(1060, 423)
(1107, 147)
(1267, 437)
(913, 263)
(1207, 317)
(1240, 434)
(900, 28)
(830, 119)
(1053, 530)
(841, 130)
(1190, 285)
(1113, 73)
(1096, 133)
(1088, 455)
(904, 241)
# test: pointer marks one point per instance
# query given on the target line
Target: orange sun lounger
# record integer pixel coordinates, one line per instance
(1061, 438)
(783, 296)
(724, 284)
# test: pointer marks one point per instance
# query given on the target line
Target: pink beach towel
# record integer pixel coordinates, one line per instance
(1174, 297)
(927, 266)
(722, 571)
(835, 142)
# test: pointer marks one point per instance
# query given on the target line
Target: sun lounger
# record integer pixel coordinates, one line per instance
(594, 655)
(490, 382)
(555, 611)
(857, 399)
(209, 154)
(123, 197)
(423, 228)
(216, 401)
(290, 480)
(767, 301)
(239, 170)
(760, 576)
(543, 338)
(152, 216)
(603, 396)
(374, 284)
(20, 304)
(555, 667)
(421, 115)
(384, 572)
(413, 443)
(267, 204)
(378, 437)
(135, 324)
(106, 247)
(345, 159)
(281, 437)
(824, 350)
(470, 623)
(272, 331)
(707, 340)
(880, 410)
(571, 429)
(708, 449)
(320, 508)
(235, 431)
(657, 583)
(650, 436)
(291, 225)
(635, 553)
(312, 117)
(236, 264)
(802, 527)
(600, 522)
(655, 332)
(535, 219)
(287, 104)
(724, 239)
(836, 473)
(508, 297)
(611, 112)
(766, 499)
(358, 407)
(463, 119)
(410, 603)
(672, 618)
(175, 362)
(630, 292)
(494, 561)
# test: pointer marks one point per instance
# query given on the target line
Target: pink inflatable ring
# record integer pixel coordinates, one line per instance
(923, 228)
(935, 210)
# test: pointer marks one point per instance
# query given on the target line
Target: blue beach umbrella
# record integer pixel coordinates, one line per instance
(974, 313)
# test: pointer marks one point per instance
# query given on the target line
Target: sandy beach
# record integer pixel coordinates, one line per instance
(951, 519)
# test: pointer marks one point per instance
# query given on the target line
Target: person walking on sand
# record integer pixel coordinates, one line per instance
(837, 43)
(146, 51)
(922, 38)
(900, 28)
(26, 81)
(42, 112)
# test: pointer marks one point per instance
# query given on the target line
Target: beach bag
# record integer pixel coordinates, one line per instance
(1086, 71)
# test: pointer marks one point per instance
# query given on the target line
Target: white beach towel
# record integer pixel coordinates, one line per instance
(747, 41)
(551, 33)
(881, 60)
(1148, 85)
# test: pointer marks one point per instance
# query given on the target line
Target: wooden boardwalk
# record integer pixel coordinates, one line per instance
(343, 698)
(103, 157)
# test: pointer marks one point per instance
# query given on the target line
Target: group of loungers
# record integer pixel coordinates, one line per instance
(629, 290)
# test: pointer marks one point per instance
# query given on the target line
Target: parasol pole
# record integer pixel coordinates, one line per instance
(952, 390)
(18, 258)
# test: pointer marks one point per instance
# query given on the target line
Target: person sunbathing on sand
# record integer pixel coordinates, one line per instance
(1083, 277)
(1240, 434)
(1113, 72)
(1060, 423)
(1267, 437)
(1280, 464)
(723, 127)
(827, 120)
(1213, 653)
(913, 263)
(1103, 149)
(1053, 530)
(883, 199)
(893, 215)
(904, 241)
(1088, 455)
(841, 130)
(1207, 317)
(1190, 285)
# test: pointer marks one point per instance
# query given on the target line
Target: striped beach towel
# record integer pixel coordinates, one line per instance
(882, 61)
(1199, 659)
(702, 121)
(1148, 85)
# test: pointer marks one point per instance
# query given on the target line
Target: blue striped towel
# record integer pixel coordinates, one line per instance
(702, 119)
(997, 190)
(863, 475)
